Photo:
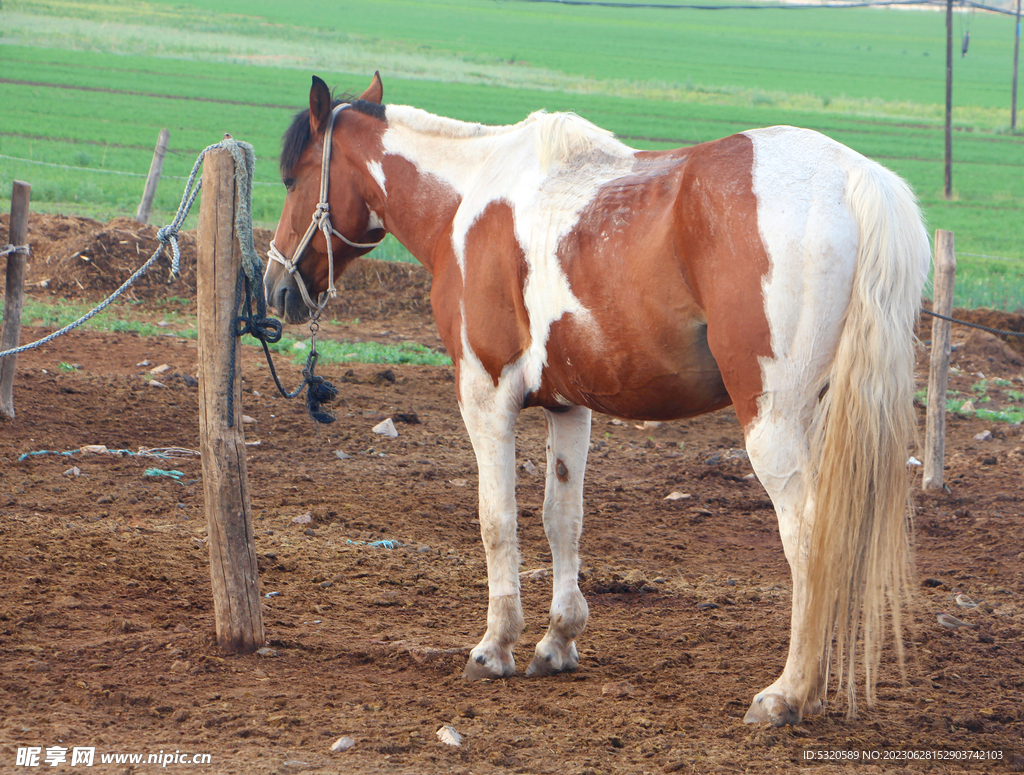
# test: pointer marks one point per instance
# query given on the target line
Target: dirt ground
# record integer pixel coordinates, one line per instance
(106, 619)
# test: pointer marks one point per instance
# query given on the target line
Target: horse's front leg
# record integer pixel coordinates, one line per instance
(568, 442)
(490, 420)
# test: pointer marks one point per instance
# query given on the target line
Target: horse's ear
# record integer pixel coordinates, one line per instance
(319, 106)
(375, 93)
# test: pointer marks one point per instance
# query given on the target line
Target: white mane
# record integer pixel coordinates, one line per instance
(558, 137)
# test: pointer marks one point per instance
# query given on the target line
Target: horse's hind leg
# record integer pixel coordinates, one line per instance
(778, 449)
(568, 442)
(490, 421)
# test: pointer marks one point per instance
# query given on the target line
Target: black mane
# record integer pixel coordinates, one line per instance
(298, 135)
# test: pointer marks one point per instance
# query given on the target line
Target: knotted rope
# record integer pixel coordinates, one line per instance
(9, 249)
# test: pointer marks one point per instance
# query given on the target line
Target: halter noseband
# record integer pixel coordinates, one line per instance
(321, 222)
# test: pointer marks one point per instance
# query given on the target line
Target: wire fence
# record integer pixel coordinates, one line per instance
(772, 7)
(73, 168)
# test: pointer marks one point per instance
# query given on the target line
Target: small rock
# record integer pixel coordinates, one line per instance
(529, 467)
(154, 383)
(103, 499)
(635, 578)
(342, 455)
(303, 519)
(913, 461)
(618, 689)
(707, 606)
(247, 420)
(161, 369)
(180, 666)
(342, 744)
(68, 601)
(449, 736)
(459, 482)
(983, 436)
(163, 323)
(143, 364)
(967, 407)
(677, 496)
(299, 346)
(267, 652)
(180, 716)
(73, 471)
(386, 428)
(94, 449)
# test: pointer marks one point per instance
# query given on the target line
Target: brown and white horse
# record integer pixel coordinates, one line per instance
(775, 270)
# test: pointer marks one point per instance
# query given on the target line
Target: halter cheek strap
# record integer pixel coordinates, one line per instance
(321, 222)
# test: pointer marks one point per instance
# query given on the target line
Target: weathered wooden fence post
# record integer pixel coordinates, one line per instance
(938, 372)
(236, 596)
(155, 168)
(14, 294)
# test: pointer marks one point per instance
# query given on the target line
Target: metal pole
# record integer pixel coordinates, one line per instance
(947, 190)
(1016, 56)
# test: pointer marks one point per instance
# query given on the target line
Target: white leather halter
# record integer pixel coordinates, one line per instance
(321, 222)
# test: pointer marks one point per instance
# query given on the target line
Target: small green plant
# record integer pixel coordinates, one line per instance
(67, 366)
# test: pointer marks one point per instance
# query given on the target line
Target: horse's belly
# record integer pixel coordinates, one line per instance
(649, 375)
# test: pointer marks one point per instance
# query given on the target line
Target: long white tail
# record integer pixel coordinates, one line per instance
(859, 545)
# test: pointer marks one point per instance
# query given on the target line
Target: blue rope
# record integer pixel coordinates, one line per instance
(168, 235)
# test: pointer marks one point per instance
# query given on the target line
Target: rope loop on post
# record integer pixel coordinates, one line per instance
(15, 249)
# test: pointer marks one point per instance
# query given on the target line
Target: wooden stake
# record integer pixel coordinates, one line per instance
(155, 168)
(938, 372)
(14, 294)
(236, 596)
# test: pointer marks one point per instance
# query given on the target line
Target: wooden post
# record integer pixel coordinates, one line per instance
(155, 168)
(14, 294)
(236, 596)
(938, 372)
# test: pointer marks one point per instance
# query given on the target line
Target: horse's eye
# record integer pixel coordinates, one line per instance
(289, 183)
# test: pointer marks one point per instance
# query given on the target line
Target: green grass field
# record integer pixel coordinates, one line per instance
(88, 85)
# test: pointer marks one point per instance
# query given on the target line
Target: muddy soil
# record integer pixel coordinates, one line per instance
(374, 579)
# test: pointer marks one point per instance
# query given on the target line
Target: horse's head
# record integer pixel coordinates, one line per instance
(326, 221)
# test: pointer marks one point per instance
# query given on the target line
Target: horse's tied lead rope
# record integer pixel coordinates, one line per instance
(259, 325)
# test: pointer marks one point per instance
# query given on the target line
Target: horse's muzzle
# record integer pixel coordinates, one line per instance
(285, 299)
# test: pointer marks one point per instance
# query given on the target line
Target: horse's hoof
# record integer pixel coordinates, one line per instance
(772, 709)
(486, 664)
(550, 660)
